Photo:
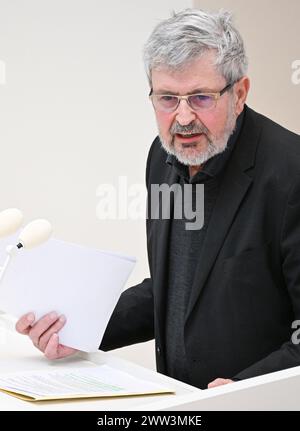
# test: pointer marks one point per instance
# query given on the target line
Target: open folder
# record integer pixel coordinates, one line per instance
(88, 382)
(80, 282)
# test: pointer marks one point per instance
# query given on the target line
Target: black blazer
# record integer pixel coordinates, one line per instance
(246, 291)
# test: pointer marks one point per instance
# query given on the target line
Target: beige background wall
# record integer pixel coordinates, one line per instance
(270, 29)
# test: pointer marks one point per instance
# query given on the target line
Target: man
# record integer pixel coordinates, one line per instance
(220, 300)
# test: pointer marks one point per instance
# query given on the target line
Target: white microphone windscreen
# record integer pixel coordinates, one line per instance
(10, 221)
(35, 233)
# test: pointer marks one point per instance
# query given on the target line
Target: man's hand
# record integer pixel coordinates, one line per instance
(219, 382)
(43, 334)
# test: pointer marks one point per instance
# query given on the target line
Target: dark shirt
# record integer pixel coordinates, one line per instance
(185, 251)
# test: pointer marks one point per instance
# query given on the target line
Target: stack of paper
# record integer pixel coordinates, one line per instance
(87, 382)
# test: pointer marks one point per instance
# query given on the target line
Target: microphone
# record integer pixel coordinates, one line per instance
(11, 220)
(34, 234)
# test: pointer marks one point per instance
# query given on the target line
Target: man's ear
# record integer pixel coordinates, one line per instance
(241, 89)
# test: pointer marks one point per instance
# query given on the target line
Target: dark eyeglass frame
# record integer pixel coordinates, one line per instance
(215, 95)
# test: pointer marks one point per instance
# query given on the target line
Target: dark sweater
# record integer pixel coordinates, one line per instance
(185, 249)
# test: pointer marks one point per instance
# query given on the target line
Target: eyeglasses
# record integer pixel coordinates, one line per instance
(198, 102)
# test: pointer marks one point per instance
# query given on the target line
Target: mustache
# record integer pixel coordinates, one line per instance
(189, 129)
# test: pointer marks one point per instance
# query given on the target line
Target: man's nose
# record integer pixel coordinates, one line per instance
(184, 113)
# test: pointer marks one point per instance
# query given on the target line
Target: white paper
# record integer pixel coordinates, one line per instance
(100, 380)
(80, 282)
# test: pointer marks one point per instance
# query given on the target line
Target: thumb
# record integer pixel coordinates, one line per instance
(51, 350)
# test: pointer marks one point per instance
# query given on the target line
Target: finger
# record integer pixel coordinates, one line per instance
(51, 350)
(41, 326)
(54, 350)
(56, 327)
(220, 382)
(216, 382)
(64, 351)
(24, 324)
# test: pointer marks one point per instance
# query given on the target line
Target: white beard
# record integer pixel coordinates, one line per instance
(214, 147)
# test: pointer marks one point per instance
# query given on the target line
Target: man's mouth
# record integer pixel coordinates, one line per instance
(188, 137)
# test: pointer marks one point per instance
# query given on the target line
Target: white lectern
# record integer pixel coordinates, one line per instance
(274, 391)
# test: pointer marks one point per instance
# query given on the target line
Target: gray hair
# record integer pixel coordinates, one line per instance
(188, 34)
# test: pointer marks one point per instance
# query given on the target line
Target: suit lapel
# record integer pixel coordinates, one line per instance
(235, 184)
(234, 187)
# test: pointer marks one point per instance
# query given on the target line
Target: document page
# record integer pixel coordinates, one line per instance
(86, 382)
(80, 282)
